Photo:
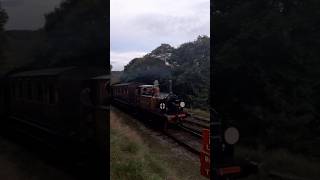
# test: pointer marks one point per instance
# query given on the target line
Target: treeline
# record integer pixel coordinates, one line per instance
(266, 69)
(74, 34)
(188, 66)
(3, 20)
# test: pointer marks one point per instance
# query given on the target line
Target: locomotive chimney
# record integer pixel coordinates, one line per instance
(170, 86)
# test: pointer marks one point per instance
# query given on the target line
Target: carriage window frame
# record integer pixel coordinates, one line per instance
(13, 90)
(39, 91)
(146, 91)
(52, 95)
(20, 89)
(29, 89)
(24, 92)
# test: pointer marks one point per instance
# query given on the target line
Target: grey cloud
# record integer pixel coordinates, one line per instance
(143, 29)
(11, 3)
(28, 14)
(163, 25)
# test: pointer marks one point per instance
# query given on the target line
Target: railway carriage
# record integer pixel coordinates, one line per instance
(47, 103)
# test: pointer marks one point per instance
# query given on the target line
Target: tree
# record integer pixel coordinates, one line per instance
(3, 20)
(188, 66)
(266, 64)
(76, 35)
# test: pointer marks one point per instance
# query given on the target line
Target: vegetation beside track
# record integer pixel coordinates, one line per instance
(280, 163)
(130, 159)
(138, 152)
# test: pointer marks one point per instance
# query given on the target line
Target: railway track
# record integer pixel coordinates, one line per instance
(188, 137)
(189, 133)
(197, 122)
(195, 125)
(185, 139)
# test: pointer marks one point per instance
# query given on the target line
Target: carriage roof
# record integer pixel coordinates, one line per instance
(42, 72)
(77, 73)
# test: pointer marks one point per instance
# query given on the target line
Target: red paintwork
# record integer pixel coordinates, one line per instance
(205, 154)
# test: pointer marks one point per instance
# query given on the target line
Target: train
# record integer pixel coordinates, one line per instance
(56, 105)
(68, 106)
(168, 109)
(147, 99)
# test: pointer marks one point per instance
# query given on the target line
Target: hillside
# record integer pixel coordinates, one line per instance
(188, 66)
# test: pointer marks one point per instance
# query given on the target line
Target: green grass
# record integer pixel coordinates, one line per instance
(131, 160)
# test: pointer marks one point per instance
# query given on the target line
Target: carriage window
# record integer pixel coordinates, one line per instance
(23, 89)
(147, 91)
(52, 95)
(39, 92)
(29, 90)
(144, 91)
(56, 96)
(13, 90)
(20, 88)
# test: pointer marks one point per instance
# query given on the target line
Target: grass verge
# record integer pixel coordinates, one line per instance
(131, 159)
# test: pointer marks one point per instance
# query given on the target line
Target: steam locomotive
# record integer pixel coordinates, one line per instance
(149, 100)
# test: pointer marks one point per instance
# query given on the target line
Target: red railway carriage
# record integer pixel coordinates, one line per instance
(101, 90)
(148, 98)
(56, 101)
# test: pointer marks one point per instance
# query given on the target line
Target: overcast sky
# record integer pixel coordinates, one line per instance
(27, 14)
(139, 26)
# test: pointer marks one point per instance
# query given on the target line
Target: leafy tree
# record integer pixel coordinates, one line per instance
(188, 66)
(266, 68)
(3, 20)
(76, 35)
